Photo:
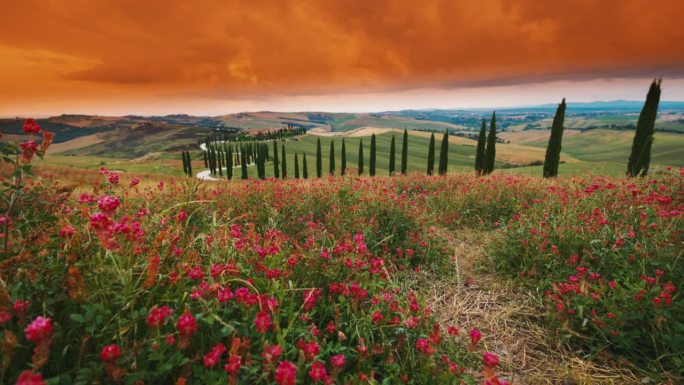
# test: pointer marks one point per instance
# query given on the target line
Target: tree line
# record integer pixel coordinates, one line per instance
(225, 155)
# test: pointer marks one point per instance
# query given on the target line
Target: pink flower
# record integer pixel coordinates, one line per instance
(187, 324)
(158, 315)
(110, 353)
(27, 377)
(134, 182)
(286, 373)
(271, 353)
(317, 371)
(338, 361)
(113, 178)
(214, 356)
(475, 337)
(31, 127)
(262, 322)
(490, 360)
(423, 346)
(108, 203)
(38, 330)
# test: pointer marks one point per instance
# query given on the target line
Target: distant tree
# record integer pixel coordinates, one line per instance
(243, 162)
(305, 169)
(371, 163)
(444, 154)
(360, 156)
(431, 155)
(392, 156)
(187, 156)
(229, 163)
(185, 165)
(553, 150)
(404, 153)
(331, 165)
(296, 161)
(284, 162)
(640, 157)
(480, 153)
(490, 151)
(319, 160)
(276, 162)
(343, 166)
(206, 162)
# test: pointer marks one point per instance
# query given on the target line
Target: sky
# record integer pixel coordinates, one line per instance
(211, 57)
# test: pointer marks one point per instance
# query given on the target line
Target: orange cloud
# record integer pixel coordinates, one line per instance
(98, 49)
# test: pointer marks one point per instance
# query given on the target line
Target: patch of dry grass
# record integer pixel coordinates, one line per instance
(511, 320)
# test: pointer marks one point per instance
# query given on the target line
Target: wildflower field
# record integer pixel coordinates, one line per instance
(111, 277)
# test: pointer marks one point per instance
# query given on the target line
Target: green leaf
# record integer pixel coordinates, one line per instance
(77, 317)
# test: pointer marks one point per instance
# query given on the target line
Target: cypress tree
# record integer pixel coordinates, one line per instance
(229, 163)
(187, 154)
(185, 165)
(331, 165)
(640, 157)
(431, 155)
(319, 160)
(243, 162)
(444, 154)
(490, 150)
(343, 166)
(305, 169)
(371, 163)
(553, 150)
(404, 153)
(480, 153)
(391, 157)
(206, 162)
(296, 166)
(360, 156)
(220, 162)
(262, 160)
(284, 162)
(276, 163)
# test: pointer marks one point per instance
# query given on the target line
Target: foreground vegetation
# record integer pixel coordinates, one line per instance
(112, 279)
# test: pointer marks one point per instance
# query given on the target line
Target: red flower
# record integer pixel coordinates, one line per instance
(423, 346)
(187, 324)
(27, 377)
(338, 361)
(490, 360)
(286, 373)
(20, 307)
(158, 315)
(31, 127)
(108, 203)
(317, 371)
(475, 337)
(110, 353)
(38, 330)
(214, 356)
(233, 365)
(377, 317)
(262, 322)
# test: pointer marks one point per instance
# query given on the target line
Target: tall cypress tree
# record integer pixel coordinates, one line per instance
(431, 155)
(229, 163)
(276, 162)
(185, 164)
(553, 150)
(305, 168)
(404, 153)
(187, 155)
(480, 153)
(360, 156)
(343, 166)
(296, 166)
(220, 162)
(319, 159)
(332, 158)
(490, 150)
(444, 154)
(284, 163)
(640, 157)
(206, 162)
(243, 162)
(392, 156)
(371, 163)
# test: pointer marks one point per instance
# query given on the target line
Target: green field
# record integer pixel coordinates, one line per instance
(614, 146)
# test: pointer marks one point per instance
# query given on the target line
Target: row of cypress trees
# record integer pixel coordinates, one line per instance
(485, 155)
(187, 163)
